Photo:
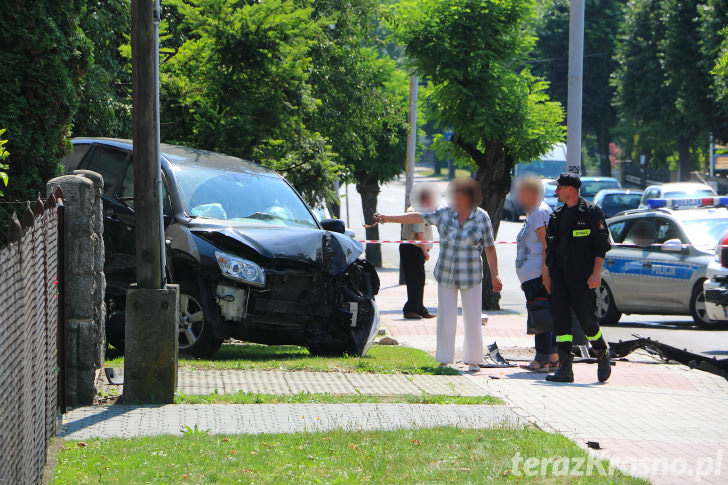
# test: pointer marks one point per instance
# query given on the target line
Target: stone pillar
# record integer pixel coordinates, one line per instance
(84, 282)
(151, 345)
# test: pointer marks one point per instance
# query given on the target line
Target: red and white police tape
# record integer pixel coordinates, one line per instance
(684, 245)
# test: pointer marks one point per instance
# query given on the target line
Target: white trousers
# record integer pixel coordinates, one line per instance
(447, 319)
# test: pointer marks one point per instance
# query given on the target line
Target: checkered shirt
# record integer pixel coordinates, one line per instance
(460, 264)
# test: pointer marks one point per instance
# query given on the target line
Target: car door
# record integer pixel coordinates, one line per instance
(623, 264)
(113, 164)
(668, 270)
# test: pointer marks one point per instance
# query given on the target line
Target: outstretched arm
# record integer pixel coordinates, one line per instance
(408, 218)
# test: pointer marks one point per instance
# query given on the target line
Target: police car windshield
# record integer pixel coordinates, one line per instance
(706, 232)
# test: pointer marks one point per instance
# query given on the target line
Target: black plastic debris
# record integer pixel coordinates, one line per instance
(494, 359)
(594, 445)
(667, 353)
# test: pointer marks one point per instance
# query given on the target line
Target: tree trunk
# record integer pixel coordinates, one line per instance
(683, 149)
(605, 166)
(368, 188)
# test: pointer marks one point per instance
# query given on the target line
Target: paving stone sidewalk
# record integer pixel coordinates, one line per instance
(133, 421)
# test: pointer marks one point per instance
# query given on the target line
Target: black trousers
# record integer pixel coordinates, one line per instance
(413, 266)
(573, 293)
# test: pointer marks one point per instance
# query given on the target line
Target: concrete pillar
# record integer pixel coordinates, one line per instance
(150, 345)
(84, 282)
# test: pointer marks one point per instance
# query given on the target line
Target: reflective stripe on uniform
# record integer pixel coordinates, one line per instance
(564, 338)
(598, 335)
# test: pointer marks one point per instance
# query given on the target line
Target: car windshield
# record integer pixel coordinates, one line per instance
(549, 190)
(627, 201)
(591, 188)
(684, 195)
(255, 198)
(706, 232)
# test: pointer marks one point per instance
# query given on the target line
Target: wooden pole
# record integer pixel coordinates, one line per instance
(146, 152)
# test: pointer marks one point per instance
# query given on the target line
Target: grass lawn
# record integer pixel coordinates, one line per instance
(459, 172)
(440, 455)
(316, 398)
(381, 359)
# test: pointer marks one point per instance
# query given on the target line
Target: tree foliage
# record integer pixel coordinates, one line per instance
(105, 105)
(239, 84)
(665, 92)
(43, 58)
(550, 61)
(473, 54)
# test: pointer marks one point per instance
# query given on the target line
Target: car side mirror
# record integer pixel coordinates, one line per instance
(672, 246)
(334, 225)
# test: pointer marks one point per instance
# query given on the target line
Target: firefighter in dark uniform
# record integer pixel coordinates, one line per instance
(577, 241)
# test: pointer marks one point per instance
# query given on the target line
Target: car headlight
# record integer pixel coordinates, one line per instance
(240, 269)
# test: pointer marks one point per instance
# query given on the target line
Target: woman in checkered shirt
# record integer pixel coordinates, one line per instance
(465, 234)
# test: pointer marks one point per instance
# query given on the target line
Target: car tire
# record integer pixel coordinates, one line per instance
(697, 306)
(115, 330)
(606, 311)
(196, 336)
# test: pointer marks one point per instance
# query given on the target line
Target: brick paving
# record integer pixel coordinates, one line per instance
(134, 421)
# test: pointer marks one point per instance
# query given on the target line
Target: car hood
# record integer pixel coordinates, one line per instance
(332, 252)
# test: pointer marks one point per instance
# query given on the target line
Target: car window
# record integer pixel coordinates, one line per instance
(684, 195)
(616, 229)
(72, 161)
(245, 197)
(111, 163)
(127, 191)
(621, 201)
(549, 190)
(641, 233)
(596, 186)
(666, 230)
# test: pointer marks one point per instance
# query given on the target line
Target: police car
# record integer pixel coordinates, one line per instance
(659, 259)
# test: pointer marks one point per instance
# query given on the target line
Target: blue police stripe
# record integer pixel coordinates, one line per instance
(659, 269)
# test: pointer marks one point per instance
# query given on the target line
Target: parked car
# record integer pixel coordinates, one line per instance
(661, 260)
(512, 210)
(676, 190)
(716, 283)
(251, 259)
(590, 186)
(614, 201)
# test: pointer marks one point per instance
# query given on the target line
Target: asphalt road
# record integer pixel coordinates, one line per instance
(677, 331)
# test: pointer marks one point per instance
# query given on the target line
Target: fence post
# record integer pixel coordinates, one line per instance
(83, 283)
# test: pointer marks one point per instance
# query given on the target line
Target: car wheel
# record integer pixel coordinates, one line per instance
(196, 337)
(606, 310)
(697, 306)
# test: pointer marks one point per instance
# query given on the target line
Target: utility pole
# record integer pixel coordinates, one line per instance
(411, 140)
(151, 337)
(576, 76)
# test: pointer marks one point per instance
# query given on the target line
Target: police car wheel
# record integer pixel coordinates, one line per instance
(606, 310)
(697, 306)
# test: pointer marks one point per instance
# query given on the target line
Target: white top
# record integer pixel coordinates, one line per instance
(529, 252)
(409, 231)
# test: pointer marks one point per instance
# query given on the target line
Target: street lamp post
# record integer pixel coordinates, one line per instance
(576, 73)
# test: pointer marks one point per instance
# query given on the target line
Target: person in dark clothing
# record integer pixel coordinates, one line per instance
(413, 256)
(577, 241)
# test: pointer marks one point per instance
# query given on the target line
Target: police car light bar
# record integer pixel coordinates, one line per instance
(687, 203)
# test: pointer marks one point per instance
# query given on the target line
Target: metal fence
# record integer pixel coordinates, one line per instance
(30, 254)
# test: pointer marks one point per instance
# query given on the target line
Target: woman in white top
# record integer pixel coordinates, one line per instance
(531, 261)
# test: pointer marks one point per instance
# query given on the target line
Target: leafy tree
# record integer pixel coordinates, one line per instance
(239, 84)
(105, 105)
(43, 58)
(665, 91)
(360, 112)
(550, 61)
(714, 49)
(474, 53)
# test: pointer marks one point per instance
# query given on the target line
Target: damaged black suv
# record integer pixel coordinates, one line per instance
(252, 261)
